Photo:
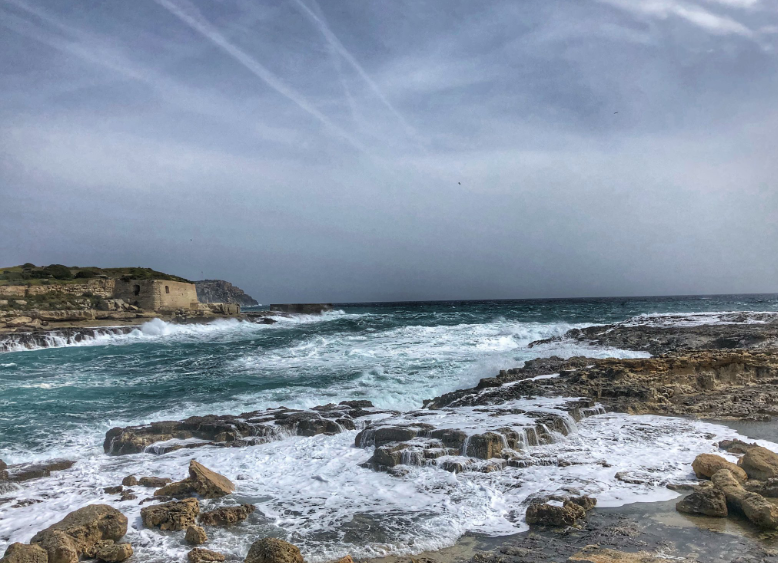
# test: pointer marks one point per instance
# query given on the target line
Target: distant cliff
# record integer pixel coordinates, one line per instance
(220, 291)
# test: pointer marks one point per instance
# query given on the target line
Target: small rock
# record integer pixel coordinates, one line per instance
(113, 490)
(584, 501)
(736, 446)
(130, 481)
(114, 552)
(201, 480)
(195, 535)
(346, 559)
(546, 514)
(705, 465)
(706, 500)
(154, 481)
(227, 515)
(128, 494)
(273, 550)
(174, 515)
(200, 555)
(25, 553)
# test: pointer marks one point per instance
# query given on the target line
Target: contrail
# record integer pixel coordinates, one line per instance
(333, 40)
(196, 21)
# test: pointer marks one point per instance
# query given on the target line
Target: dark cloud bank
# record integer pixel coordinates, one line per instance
(403, 149)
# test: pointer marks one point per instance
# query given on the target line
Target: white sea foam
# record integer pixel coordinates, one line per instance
(314, 489)
(699, 319)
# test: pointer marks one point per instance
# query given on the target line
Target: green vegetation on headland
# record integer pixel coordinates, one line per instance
(30, 274)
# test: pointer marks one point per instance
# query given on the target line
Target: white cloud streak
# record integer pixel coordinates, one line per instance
(337, 45)
(692, 13)
(192, 17)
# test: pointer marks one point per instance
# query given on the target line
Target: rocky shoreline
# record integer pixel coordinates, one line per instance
(726, 370)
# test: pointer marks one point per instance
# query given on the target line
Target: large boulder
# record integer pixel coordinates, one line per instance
(201, 480)
(561, 514)
(273, 550)
(81, 532)
(227, 515)
(707, 500)
(25, 553)
(201, 555)
(174, 515)
(705, 465)
(760, 463)
(756, 508)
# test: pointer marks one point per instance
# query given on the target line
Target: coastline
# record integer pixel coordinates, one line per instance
(546, 377)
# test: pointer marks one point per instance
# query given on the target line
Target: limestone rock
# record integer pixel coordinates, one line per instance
(80, 532)
(756, 508)
(593, 554)
(705, 465)
(130, 481)
(201, 480)
(200, 555)
(174, 515)
(760, 463)
(736, 446)
(113, 490)
(706, 500)
(3, 465)
(195, 535)
(585, 502)
(114, 552)
(25, 553)
(546, 514)
(346, 559)
(227, 515)
(154, 481)
(273, 550)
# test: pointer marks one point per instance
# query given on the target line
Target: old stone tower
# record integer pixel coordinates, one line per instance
(157, 295)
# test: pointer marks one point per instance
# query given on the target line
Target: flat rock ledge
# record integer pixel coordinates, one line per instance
(736, 384)
(246, 429)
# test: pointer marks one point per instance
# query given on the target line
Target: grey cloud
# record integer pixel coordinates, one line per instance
(397, 150)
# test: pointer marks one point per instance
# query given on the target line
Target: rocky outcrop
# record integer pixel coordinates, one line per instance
(201, 555)
(195, 535)
(154, 481)
(82, 532)
(273, 550)
(661, 335)
(595, 554)
(705, 465)
(201, 481)
(247, 429)
(220, 291)
(25, 553)
(174, 515)
(714, 383)
(502, 436)
(754, 506)
(226, 516)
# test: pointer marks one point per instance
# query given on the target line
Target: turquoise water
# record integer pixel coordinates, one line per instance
(393, 354)
(59, 402)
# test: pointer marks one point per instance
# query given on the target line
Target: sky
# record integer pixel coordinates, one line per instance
(390, 150)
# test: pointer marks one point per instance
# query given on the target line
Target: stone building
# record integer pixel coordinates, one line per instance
(157, 295)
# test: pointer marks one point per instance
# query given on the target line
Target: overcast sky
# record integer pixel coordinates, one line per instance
(355, 150)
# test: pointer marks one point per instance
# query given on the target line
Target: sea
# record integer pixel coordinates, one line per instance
(59, 401)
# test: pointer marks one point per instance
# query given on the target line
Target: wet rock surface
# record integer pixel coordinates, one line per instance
(226, 516)
(27, 471)
(679, 333)
(202, 555)
(173, 515)
(201, 481)
(720, 384)
(195, 535)
(247, 429)
(273, 550)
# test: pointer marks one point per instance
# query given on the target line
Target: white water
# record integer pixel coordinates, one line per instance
(315, 488)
